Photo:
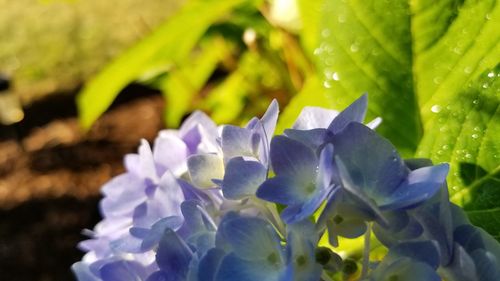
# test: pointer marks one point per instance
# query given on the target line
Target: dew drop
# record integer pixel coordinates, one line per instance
(475, 102)
(336, 76)
(328, 74)
(477, 129)
(326, 33)
(354, 48)
(455, 187)
(440, 152)
(491, 74)
(468, 156)
(437, 80)
(341, 18)
(436, 108)
(475, 136)
(468, 69)
(487, 16)
(445, 147)
(457, 50)
(327, 84)
(485, 85)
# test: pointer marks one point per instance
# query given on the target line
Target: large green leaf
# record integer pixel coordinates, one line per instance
(366, 46)
(454, 42)
(171, 42)
(410, 56)
(466, 133)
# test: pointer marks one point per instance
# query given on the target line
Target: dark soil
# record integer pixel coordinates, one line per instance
(50, 175)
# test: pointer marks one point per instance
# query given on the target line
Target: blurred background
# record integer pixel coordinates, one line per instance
(50, 168)
(81, 82)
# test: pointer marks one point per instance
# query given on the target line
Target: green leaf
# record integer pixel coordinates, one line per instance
(184, 82)
(408, 55)
(366, 46)
(227, 100)
(310, 17)
(170, 43)
(312, 94)
(484, 207)
(466, 133)
(455, 41)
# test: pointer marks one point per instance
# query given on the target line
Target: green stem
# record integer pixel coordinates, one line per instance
(366, 251)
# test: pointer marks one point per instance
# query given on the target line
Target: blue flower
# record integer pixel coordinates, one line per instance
(410, 261)
(476, 255)
(254, 251)
(302, 180)
(242, 150)
(179, 252)
(373, 173)
(317, 126)
(375, 185)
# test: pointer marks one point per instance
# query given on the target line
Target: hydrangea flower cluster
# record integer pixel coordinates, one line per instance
(226, 203)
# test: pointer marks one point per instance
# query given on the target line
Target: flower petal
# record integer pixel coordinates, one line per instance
(270, 118)
(122, 271)
(353, 113)
(83, 273)
(146, 162)
(313, 138)
(283, 190)
(173, 254)
(234, 268)
(291, 158)
(205, 167)
(357, 193)
(252, 238)
(370, 160)
(209, 264)
(236, 141)
(170, 152)
(242, 178)
(420, 185)
(312, 117)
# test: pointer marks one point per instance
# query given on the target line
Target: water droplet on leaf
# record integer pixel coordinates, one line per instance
(436, 108)
(335, 76)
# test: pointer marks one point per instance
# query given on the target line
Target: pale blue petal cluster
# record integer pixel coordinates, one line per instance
(224, 203)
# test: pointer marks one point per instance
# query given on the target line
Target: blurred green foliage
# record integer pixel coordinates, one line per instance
(430, 68)
(56, 45)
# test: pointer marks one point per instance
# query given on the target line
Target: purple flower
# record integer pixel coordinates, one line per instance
(411, 261)
(373, 173)
(302, 180)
